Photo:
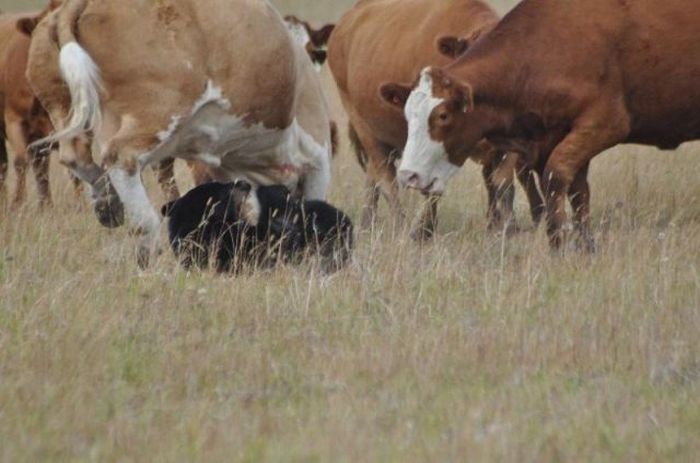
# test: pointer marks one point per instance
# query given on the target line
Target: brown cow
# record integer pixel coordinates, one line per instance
(561, 82)
(24, 121)
(382, 41)
(179, 79)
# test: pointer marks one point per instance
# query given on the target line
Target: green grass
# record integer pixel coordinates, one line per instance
(468, 349)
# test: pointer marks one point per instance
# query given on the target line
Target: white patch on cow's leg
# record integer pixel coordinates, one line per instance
(140, 214)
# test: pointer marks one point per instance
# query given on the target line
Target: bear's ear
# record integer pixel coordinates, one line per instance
(167, 208)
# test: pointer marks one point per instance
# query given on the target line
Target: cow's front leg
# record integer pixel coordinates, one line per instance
(597, 131)
(141, 216)
(498, 176)
(580, 199)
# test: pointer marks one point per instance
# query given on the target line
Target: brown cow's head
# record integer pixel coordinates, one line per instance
(312, 40)
(443, 128)
(27, 24)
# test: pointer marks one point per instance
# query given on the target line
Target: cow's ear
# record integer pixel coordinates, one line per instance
(395, 94)
(320, 37)
(452, 47)
(167, 209)
(27, 25)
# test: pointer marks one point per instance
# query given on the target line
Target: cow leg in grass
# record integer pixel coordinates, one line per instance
(18, 143)
(165, 171)
(528, 180)
(600, 128)
(580, 199)
(40, 165)
(141, 216)
(377, 159)
(3, 166)
(77, 186)
(426, 225)
(77, 157)
(498, 178)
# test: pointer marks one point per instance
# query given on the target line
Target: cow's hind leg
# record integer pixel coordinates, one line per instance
(125, 160)
(41, 157)
(377, 160)
(599, 129)
(165, 171)
(77, 157)
(528, 179)
(3, 165)
(580, 199)
(18, 143)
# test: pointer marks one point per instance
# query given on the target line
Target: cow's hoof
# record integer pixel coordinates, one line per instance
(109, 211)
(422, 234)
(586, 245)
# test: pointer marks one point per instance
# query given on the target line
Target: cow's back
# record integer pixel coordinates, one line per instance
(380, 41)
(240, 46)
(642, 54)
(661, 60)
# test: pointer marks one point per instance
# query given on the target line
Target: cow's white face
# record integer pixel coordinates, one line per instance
(425, 163)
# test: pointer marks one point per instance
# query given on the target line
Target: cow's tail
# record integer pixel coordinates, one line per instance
(357, 147)
(334, 138)
(80, 73)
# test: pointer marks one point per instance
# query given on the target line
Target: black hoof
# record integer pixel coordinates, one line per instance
(422, 234)
(109, 211)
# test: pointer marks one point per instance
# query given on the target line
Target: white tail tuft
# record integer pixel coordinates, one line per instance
(82, 76)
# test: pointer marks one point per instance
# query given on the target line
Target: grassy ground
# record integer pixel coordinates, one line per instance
(472, 348)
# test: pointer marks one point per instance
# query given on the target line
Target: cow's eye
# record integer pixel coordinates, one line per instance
(443, 116)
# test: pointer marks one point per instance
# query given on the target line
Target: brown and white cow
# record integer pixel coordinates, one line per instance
(561, 82)
(179, 79)
(382, 41)
(312, 40)
(23, 121)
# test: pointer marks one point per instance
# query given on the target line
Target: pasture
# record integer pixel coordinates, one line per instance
(470, 348)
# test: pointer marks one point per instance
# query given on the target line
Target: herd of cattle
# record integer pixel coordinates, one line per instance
(231, 87)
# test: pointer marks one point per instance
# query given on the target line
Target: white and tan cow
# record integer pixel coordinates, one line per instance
(176, 78)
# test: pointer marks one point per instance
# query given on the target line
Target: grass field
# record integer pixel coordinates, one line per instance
(472, 348)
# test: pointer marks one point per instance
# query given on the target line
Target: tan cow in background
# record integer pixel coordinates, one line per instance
(23, 121)
(179, 79)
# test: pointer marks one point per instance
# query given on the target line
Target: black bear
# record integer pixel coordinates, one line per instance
(235, 225)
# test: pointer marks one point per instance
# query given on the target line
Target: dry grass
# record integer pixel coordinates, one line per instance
(471, 348)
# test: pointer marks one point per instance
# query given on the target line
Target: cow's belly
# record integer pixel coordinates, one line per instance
(234, 148)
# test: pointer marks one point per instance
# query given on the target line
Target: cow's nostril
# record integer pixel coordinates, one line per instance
(409, 179)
